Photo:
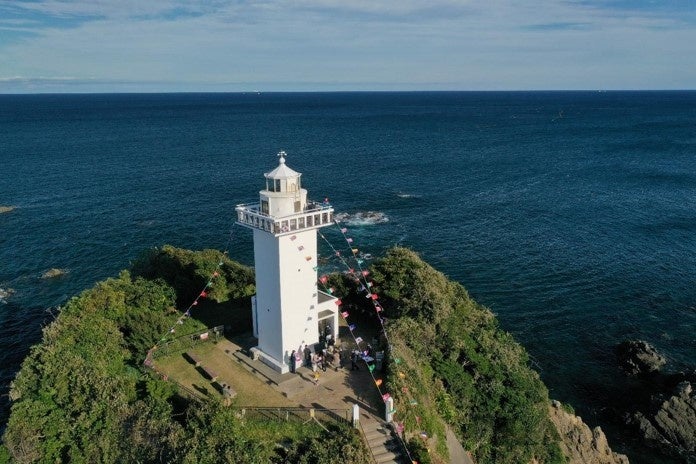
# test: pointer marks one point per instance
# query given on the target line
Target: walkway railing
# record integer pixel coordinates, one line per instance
(188, 341)
(294, 414)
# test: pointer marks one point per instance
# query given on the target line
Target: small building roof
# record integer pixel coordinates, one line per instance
(282, 171)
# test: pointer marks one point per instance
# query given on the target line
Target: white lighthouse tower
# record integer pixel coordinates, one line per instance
(288, 305)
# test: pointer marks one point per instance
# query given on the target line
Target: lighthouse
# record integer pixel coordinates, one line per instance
(289, 308)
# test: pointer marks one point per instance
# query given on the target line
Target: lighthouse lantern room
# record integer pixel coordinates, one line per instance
(288, 307)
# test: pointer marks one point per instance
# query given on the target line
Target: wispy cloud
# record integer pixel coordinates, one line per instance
(462, 44)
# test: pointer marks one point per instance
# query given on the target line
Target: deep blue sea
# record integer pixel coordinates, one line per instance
(572, 215)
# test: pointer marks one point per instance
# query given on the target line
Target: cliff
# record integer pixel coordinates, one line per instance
(579, 443)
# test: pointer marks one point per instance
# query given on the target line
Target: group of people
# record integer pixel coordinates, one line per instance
(319, 359)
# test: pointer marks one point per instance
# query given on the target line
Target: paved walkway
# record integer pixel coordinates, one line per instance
(337, 389)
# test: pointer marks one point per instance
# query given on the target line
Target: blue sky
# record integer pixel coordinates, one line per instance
(282, 45)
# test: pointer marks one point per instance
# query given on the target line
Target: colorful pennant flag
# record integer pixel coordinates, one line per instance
(355, 251)
(323, 279)
(293, 237)
(338, 302)
(344, 230)
(216, 273)
(378, 382)
(365, 273)
(308, 258)
(194, 303)
(351, 327)
(204, 294)
(374, 296)
(349, 240)
(386, 397)
(358, 340)
(300, 248)
(371, 367)
(344, 314)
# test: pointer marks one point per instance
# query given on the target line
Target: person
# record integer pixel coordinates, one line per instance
(308, 356)
(354, 361)
(336, 360)
(322, 362)
(316, 377)
(292, 362)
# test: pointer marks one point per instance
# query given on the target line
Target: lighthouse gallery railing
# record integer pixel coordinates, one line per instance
(315, 215)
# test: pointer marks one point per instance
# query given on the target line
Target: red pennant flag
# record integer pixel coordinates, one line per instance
(323, 279)
(374, 296)
(338, 302)
(344, 314)
(386, 397)
(365, 273)
(204, 294)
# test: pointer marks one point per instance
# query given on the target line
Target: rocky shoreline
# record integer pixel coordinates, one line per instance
(664, 410)
(579, 443)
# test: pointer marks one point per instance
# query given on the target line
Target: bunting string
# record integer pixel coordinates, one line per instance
(203, 293)
(360, 276)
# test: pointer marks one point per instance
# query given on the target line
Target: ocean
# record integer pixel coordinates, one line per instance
(572, 215)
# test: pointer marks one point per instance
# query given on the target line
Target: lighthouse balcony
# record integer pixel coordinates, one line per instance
(314, 216)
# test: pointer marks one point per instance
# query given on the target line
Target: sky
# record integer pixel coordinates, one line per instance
(337, 45)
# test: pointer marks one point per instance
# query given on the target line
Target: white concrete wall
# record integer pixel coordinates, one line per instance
(286, 293)
(283, 203)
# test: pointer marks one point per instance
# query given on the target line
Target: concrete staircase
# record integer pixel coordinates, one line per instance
(385, 447)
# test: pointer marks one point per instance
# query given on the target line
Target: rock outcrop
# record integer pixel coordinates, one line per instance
(672, 425)
(6, 209)
(637, 358)
(51, 273)
(579, 443)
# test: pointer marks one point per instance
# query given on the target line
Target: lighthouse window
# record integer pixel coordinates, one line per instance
(297, 206)
(324, 218)
(317, 219)
(277, 185)
(309, 221)
(293, 224)
(300, 222)
(264, 206)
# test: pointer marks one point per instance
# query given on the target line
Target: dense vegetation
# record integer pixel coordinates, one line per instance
(82, 394)
(460, 367)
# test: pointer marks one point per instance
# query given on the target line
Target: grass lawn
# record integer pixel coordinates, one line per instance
(251, 391)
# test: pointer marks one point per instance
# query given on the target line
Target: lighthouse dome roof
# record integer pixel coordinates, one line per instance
(282, 171)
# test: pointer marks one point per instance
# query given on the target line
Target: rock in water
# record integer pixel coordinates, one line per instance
(6, 209)
(672, 427)
(637, 357)
(51, 273)
(580, 444)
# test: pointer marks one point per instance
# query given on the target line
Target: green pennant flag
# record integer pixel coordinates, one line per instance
(397, 361)
(371, 367)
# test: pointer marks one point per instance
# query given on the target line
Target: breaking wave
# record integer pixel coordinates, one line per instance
(362, 218)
